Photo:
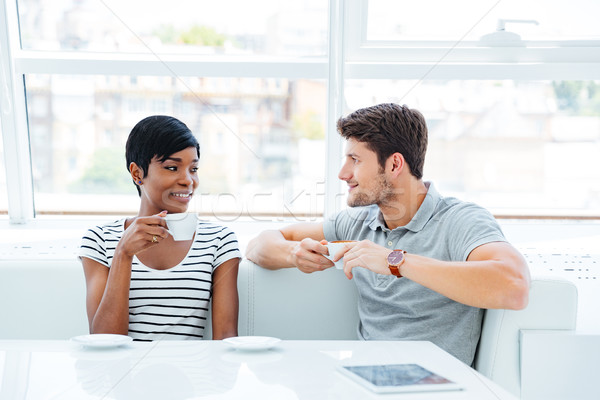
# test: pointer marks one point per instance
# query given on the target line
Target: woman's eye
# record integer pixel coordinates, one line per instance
(171, 168)
(195, 169)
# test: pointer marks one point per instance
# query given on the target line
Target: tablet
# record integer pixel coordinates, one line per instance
(395, 378)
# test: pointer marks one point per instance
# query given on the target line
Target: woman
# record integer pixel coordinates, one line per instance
(142, 283)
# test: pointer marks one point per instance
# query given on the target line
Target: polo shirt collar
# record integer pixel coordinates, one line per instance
(424, 213)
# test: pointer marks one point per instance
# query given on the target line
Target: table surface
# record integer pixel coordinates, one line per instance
(34, 370)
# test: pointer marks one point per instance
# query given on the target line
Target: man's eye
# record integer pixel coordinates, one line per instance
(195, 169)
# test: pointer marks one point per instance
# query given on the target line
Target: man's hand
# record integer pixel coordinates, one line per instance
(308, 256)
(365, 254)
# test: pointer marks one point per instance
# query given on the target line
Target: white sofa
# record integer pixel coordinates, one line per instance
(290, 304)
(42, 299)
(46, 300)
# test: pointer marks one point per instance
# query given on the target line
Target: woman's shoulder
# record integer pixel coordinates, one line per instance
(222, 239)
(211, 228)
(114, 228)
(99, 240)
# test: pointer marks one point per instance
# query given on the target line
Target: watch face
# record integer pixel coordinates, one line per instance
(395, 257)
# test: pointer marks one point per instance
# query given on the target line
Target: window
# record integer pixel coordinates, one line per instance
(510, 92)
(244, 90)
(257, 162)
(3, 190)
(538, 20)
(226, 27)
(505, 144)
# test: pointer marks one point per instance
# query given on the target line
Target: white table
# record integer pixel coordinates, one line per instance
(37, 370)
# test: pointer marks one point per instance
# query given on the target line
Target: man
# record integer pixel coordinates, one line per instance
(451, 259)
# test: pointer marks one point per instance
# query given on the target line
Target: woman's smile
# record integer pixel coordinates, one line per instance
(183, 196)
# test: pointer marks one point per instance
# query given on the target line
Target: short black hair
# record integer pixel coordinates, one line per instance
(157, 136)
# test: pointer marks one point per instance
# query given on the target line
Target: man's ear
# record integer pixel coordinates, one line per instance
(396, 163)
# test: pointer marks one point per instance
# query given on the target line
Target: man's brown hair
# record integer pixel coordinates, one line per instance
(389, 128)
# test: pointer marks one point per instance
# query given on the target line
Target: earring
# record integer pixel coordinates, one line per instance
(139, 182)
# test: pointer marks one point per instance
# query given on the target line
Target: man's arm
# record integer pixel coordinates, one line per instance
(295, 246)
(495, 274)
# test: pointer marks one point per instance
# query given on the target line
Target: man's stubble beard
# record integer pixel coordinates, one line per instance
(381, 194)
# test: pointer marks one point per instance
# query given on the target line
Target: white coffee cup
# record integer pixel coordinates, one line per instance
(333, 248)
(182, 226)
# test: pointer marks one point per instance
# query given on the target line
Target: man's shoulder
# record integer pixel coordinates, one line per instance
(455, 205)
(455, 214)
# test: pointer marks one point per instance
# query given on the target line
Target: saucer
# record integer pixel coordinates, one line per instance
(102, 340)
(252, 343)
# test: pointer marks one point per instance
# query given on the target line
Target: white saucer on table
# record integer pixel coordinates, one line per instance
(102, 340)
(252, 343)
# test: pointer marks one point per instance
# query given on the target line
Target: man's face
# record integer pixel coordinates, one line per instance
(367, 183)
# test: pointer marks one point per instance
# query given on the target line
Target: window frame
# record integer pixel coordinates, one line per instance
(19, 183)
(552, 59)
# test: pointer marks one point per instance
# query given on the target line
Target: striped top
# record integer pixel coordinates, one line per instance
(172, 303)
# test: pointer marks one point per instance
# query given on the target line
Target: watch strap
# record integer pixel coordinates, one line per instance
(395, 270)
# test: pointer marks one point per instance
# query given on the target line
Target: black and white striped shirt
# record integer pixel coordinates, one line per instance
(171, 303)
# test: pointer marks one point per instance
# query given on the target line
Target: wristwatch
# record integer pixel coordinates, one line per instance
(395, 260)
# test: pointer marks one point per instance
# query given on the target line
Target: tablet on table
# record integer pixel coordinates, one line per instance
(395, 378)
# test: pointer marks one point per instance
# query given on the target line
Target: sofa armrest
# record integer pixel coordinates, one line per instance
(559, 365)
(552, 306)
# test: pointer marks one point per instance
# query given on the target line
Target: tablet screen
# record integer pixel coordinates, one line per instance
(398, 378)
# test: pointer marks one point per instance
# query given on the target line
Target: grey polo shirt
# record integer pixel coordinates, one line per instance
(389, 308)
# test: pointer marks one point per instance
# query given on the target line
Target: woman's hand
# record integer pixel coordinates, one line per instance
(143, 233)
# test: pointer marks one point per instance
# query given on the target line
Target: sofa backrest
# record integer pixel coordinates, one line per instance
(45, 299)
(290, 304)
(42, 299)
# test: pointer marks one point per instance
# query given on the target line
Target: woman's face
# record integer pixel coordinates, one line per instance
(170, 184)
